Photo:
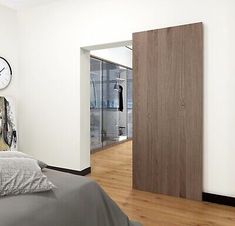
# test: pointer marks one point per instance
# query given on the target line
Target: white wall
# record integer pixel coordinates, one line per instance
(22, 4)
(120, 55)
(9, 46)
(50, 97)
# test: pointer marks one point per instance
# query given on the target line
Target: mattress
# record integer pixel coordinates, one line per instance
(77, 201)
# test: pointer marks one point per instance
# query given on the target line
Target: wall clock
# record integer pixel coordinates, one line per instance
(5, 73)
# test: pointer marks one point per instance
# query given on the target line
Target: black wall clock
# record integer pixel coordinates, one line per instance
(5, 73)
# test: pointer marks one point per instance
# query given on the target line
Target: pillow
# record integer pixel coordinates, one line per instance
(17, 154)
(22, 175)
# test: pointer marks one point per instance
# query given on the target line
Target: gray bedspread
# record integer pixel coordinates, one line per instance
(77, 201)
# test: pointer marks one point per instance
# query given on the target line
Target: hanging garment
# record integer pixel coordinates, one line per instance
(6, 128)
(120, 97)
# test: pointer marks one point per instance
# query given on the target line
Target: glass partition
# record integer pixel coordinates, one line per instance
(96, 103)
(129, 103)
(111, 103)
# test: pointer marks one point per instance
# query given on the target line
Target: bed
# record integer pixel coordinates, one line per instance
(77, 201)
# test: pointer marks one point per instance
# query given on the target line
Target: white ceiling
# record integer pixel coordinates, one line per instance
(22, 4)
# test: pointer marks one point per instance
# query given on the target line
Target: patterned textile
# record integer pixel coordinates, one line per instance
(22, 175)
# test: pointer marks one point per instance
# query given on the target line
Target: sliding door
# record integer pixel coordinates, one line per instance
(167, 111)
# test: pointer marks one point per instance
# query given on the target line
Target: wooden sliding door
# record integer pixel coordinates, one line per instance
(167, 114)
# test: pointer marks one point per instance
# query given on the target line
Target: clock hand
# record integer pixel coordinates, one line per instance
(2, 69)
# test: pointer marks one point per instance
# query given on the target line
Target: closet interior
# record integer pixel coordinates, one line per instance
(110, 103)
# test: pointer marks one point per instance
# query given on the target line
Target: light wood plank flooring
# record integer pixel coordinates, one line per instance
(112, 169)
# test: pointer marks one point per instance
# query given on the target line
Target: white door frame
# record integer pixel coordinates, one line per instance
(85, 97)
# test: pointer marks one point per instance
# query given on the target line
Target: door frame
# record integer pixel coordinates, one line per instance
(84, 101)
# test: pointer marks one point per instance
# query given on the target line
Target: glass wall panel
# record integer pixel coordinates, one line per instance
(122, 80)
(95, 103)
(111, 103)
(129, 102)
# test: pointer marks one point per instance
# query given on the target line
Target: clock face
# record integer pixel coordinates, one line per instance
(5, 73)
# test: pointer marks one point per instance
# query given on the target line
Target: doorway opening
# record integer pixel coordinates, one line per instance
(108, 71)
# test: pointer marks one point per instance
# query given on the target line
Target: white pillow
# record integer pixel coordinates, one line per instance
(22, 175)
(17, 154)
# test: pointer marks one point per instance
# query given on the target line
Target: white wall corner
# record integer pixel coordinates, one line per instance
(84, 108)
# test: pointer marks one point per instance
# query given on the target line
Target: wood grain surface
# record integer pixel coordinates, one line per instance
(168, 111)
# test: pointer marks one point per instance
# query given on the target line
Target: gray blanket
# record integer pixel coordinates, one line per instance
(77, 201)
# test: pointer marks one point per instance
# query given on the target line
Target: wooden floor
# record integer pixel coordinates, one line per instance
(112, 169)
